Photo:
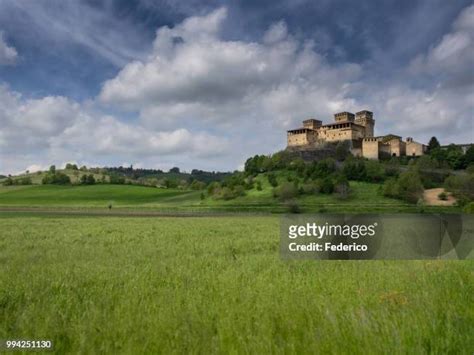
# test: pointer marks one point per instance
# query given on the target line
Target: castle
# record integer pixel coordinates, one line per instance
(358, 131)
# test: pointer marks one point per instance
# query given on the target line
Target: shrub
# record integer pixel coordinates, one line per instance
(374, 171)
(354, 169)
(56, 178)
(420, 204)
(197, 185)
(293, 206)
(390, 188)
(309, 188)
(462, 186)
(87, 179)
(259, 186)
(116, 179)
(469, 208)
(443, 196)
(325, 186)
(286, 191)
(410, 187)
(212, 187)
(8, 181)
(272, 179)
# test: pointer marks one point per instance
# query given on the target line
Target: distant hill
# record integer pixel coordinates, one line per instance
(127, 175)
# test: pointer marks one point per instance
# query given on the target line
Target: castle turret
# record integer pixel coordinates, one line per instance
(366, 118)
(312, 123)
(344, 117)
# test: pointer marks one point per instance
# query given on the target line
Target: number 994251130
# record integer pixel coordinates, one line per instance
(23, 344)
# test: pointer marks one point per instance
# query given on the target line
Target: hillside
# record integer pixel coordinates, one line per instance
(365, 197)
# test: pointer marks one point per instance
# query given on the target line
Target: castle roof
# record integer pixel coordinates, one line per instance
(351, 123)
(301, 129)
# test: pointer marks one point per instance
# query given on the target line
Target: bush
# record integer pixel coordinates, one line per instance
(410, 187)
(354, 169)
(443, 196)
(325, 186)
(197, 185)
(56, 178)
(116, 179)
(407, 187)
(390, 188)
(321, 169)
(462, 186)
(212, 187)
(272, 179)
(293, 206)
(286, 191)
(309, 188)
(374, 171)
(469, 208)
(259, 186)
(87, 179)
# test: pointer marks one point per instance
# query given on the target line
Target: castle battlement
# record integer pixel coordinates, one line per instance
(358, 129)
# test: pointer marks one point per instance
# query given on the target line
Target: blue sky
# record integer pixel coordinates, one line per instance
(205, 84)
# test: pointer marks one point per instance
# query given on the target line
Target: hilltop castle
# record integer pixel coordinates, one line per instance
(358, 131)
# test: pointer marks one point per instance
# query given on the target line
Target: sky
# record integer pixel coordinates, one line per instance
(207, 84)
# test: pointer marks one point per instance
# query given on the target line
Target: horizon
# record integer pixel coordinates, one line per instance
(206, 85)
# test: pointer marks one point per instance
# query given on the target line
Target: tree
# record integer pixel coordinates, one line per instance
(52, 169)
(286, 191)
(272, 179)
(8, 181)
(87, 179)
(375, 172)
(117, 179)
(57, 178)
(174, 170)
(433, 144)
(469, 156)
(70, 166)
(410, 187)
(354, 169)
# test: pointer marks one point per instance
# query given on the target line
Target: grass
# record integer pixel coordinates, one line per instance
(217, 285)
(365, 197)
(84, 196)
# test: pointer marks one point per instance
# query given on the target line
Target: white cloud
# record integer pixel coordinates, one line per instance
(199, 95)
(452, 59)
(39, 132)
(195, 76)
(8, 54)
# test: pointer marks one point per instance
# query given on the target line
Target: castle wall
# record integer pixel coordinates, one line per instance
(304, 138)
(370, 148)
(414, 149)
(397, 147)
(346, 132)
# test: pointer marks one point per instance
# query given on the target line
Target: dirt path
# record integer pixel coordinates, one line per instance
(431, 197)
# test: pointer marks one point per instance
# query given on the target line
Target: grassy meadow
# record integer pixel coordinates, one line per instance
(217, 285)
(365, 197)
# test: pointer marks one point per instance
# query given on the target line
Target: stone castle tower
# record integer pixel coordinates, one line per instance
(366, 118)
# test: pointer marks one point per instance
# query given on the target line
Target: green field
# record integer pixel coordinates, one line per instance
(365, 197)
(217, 285)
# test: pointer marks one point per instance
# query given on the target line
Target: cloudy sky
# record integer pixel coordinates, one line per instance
(206, 84)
